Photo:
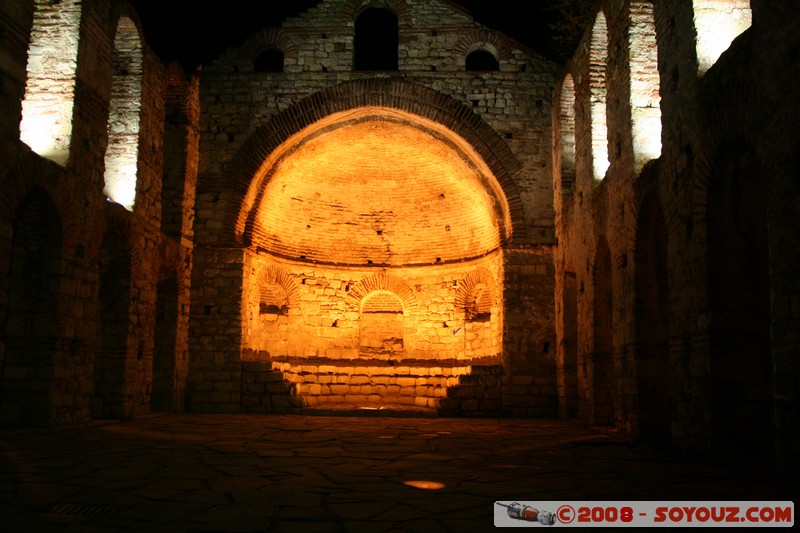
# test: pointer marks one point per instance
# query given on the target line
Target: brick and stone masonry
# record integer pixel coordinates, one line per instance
(455, 225)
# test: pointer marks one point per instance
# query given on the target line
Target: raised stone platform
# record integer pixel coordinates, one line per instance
(401, 385)
(386, 410)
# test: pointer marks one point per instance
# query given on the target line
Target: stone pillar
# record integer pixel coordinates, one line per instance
(529, 348)
(215, 331)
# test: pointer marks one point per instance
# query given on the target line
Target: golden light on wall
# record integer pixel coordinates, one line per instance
(424, 484)
(717, 23)
(378, 189)
(384, 230)
(381, 326)
(364, 182)
(47, 108)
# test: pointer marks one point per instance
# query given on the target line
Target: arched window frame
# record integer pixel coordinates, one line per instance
(122, 153)
(598, 65)
(483, 53)
(48, 104)
(645, 85)
(566, 128)
(272, 300)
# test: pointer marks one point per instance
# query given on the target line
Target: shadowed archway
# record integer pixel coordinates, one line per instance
(739, 302)
(652, 330)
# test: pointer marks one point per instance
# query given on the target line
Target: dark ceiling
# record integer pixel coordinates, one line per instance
(194, 33)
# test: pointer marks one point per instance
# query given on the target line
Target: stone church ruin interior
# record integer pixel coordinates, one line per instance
(386, 205)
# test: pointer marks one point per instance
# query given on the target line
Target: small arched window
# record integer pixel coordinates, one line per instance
(479, 304)
(376, 40)
(122, 153)
(482, 61)
(645, 84)
(598, 58)
(381, 325)
(270, 60)
(47, 108)
(566, 119)
(273, 300)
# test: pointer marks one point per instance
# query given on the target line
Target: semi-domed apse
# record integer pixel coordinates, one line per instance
(376, 187)
(386, 230)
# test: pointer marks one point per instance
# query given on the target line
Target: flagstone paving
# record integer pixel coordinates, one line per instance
(190, 472)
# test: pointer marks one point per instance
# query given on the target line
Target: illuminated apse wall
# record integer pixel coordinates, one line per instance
(376, 272)
(459, 226)
(374, 219)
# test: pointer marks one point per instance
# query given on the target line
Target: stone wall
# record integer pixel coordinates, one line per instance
(299, 304)
(514, 101)
(676, 282)
(215, 331)
(323, 310)
(637, 261)
(78, 316)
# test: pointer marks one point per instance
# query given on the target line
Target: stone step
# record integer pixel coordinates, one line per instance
(384, 409)
(378, 384)
(416, 367)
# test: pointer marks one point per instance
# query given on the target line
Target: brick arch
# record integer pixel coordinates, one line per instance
(30, 280)
(381, 301)
(177, 88)
(467, 285)
(726, 109)
(170, 262)
(485, 39)
(124, 114)
(275, 275)
(114, 218)
(31, 173)
(266, 39)
(380, 282)
(352, 8)
(564, 130)
(124, 9)
(389, 93)
(115, 318)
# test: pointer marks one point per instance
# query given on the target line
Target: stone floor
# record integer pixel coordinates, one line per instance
(193, 472)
